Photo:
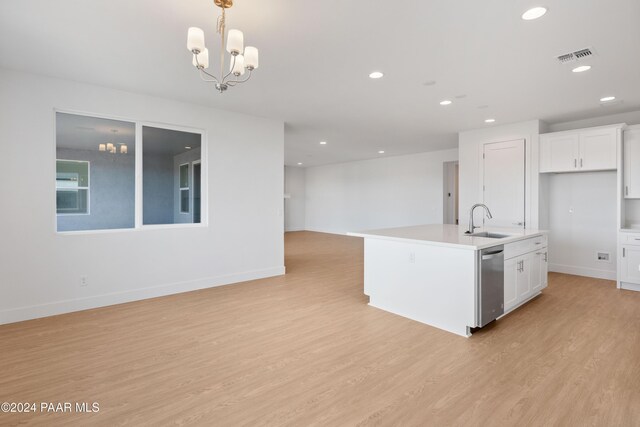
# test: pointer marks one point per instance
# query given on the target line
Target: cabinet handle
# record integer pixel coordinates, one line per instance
(546, 257)
(575, 163)
(626, 190)
(580, 162)
(624, 252)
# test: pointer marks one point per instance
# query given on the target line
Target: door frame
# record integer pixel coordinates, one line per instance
(447, 167)
(193, 193)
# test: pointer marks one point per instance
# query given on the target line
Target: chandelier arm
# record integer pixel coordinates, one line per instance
(202, 71)
(235, 82)
(233, 64)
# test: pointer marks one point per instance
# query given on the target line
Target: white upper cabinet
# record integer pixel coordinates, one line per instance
(598, 149)
(580, 150)
(559, 153)
(632, 163)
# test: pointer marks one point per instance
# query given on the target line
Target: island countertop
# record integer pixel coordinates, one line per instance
(449, 235)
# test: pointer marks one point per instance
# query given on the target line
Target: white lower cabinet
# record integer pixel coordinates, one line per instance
(630, 268)
(524, 276)
(511, 271)
(539, 270)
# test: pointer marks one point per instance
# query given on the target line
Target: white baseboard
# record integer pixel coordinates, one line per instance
(316, 230)
(630, 286)
(68, 306)
(583, 271)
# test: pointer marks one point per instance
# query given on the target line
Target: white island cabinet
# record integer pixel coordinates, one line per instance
(430, 273)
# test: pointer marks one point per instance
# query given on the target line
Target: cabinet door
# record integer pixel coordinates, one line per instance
(632, 164)
(544, 268)
(559, 153)
(535, 259)
(524, 277)
(630, 264)
(598, 149)
(510, 283)
(539, 270)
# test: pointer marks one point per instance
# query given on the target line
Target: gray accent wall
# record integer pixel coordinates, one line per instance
(157, 189)
(111, 191)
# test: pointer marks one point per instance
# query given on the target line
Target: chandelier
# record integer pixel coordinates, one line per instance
(242, 58)
(111, 147)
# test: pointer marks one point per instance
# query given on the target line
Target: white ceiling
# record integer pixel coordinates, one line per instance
(315, 57)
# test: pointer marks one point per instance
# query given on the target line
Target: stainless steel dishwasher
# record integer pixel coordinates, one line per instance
(490, 284)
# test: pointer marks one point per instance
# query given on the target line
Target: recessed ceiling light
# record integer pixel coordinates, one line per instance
(490, 121)
(376, 75)
(381, 152)
(607, 98)
(323, 142)
(188, 148)
(581, 69)
(534, 13)
(445, 102)
(299, 164)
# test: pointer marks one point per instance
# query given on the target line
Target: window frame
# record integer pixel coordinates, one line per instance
(138, 206)
(187, 188)
(88, 188)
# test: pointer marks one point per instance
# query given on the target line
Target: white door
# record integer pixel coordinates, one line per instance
(632, 164)
(559, 153)
(504, 183)
(630, 264)
(598, 150)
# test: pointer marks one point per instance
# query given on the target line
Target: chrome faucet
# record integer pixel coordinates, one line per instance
(471, 226)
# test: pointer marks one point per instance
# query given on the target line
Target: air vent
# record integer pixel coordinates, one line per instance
(578, 55)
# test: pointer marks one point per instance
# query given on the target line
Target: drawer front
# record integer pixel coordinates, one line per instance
(631, 239)
(522, 247)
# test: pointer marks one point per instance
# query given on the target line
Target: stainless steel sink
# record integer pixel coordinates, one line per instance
(490, 235)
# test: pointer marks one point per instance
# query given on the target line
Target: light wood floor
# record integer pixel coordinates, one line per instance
(305, 349)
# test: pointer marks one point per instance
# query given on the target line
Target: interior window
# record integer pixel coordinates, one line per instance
(95, 173)
(169, 191)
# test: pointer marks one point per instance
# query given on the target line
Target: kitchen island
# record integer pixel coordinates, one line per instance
(433, 273)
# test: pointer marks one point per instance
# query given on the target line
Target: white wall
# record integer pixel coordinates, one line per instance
(379, 193)
(582, 222)
(294, 206)
(40, 270)
(471, 144)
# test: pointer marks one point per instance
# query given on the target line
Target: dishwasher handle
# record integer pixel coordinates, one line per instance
(491, 255)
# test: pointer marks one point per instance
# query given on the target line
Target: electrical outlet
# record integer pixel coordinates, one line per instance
(603, 256)
(84, 280)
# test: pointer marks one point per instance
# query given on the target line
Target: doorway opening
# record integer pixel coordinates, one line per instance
(450, 193)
